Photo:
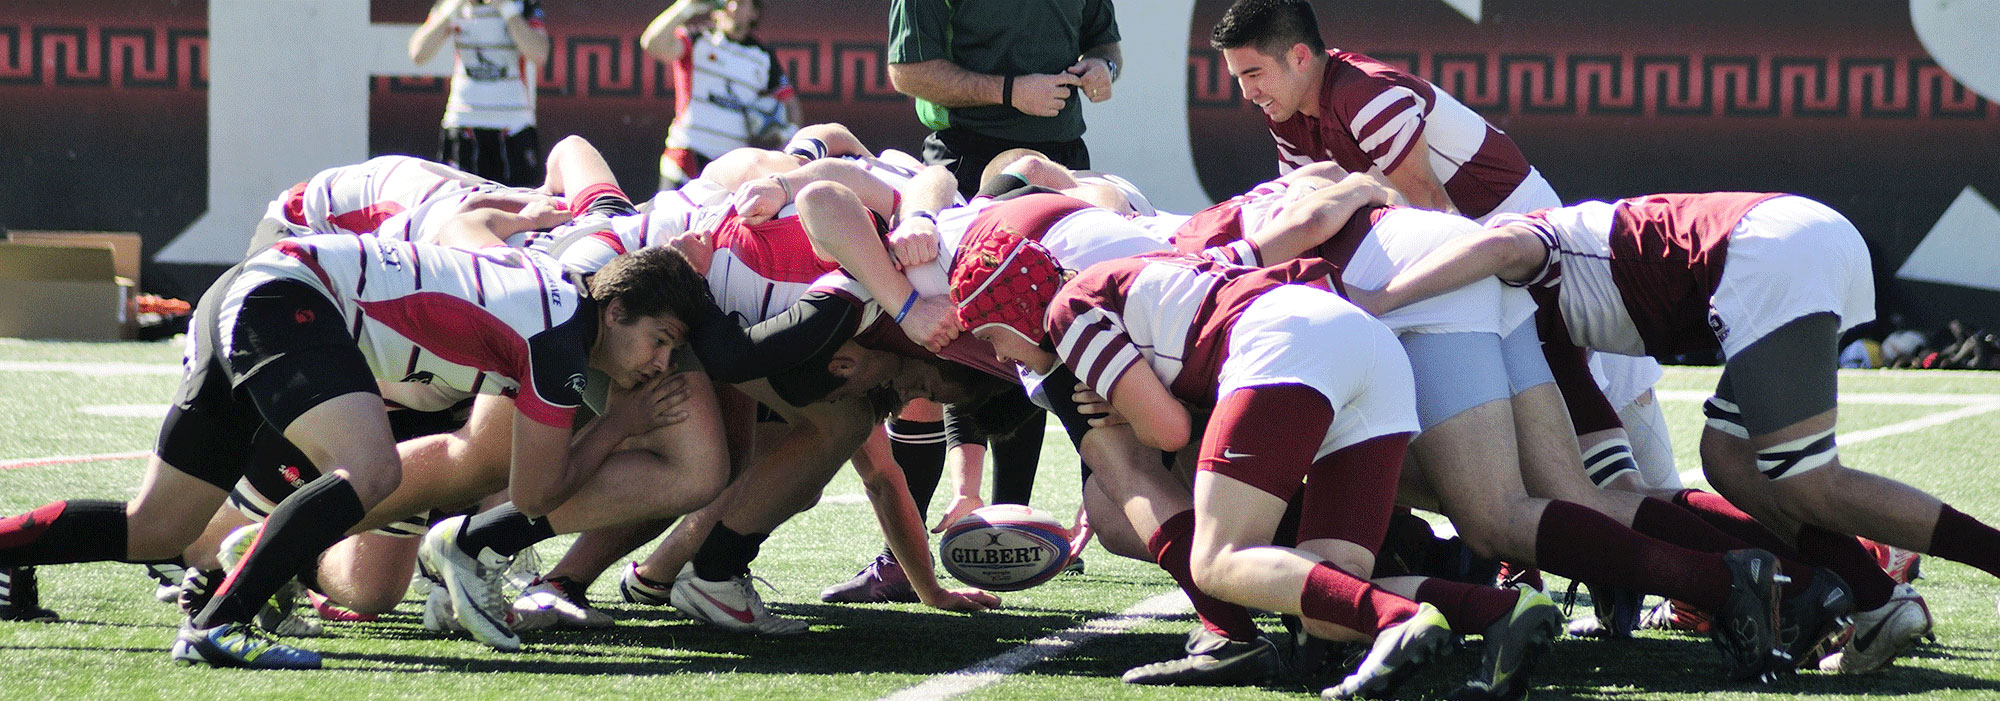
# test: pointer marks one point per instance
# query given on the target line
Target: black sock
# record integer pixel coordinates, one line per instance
(304, 525)
(504, 529)
(1014, 461)
(726, 553)
(918, 447)
(79, 530)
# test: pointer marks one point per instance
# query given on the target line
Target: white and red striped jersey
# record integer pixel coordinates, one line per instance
(1172, 312)
(725, 92)
(1635, 276)
(438, 325)
(492, 84)
(1370, 118)
(356, 199)
(1227, 223)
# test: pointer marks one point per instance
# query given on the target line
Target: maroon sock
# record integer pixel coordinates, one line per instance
(1581, 544)
(1683, 527)
(1848, 558)
(1961, 538)
(1170, 548)
(1352, 602)
(1469, 607)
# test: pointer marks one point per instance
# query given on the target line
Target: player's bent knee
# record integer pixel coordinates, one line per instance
(1799, 456)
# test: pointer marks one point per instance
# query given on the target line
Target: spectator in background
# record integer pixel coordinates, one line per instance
(988, 77)
(489, 119)
(729, 91)
(991, 76)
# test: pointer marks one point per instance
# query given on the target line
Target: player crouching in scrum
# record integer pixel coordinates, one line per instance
(1271, 362)
(299, 336)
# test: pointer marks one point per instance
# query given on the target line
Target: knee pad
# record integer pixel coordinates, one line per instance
(1793, 458)
(1723, 415)
(1604, 461)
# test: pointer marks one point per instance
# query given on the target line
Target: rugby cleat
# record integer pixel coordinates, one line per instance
(1904, 566)
(21, 597)
(1399, 651)
(636, 589)
(168, 576)
(472, 583)
(1881, 634)
(1615, 613)
(1212, 660)
(1512, 647)
(557, 602)
(1746, 631)
(1806, 620)
(731, 605)
(882, 581)
(197, 587)
(438, 614)
(1674, 614)
(238, 645)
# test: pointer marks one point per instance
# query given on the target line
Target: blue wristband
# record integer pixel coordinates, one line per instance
(911, 302)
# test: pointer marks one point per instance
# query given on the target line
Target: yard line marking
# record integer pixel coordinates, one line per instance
(71, 459)
(92, 369)
(1913, 398)
(989, 671)
(1938, 419)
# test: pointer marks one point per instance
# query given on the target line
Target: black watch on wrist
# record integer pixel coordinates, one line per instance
(1111, 66)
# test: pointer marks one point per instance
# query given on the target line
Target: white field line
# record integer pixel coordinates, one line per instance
(990, 670)
(1895, 429)
(1909, 398)
(91, 369)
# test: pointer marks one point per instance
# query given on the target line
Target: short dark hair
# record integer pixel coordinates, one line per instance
(651, 282)
(1272, 25)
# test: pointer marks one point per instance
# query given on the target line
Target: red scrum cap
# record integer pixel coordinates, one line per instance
(1003, 278)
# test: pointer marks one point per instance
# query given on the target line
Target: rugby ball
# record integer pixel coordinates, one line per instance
(1004, 547)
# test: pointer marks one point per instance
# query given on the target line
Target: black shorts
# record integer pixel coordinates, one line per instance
(277, 468)
(288, 350)
(510, 159)
(966, 154)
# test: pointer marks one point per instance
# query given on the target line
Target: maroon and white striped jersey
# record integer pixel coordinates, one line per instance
(1226, 224)
(1635, 276)
(1221, 237)
(438, 325)
(1171, 311)
(1370, 117)
(356, 199)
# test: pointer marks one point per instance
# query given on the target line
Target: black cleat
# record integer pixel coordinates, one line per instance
(1746, 630)
(1810, 618)
(20, 598)
(1212, 660)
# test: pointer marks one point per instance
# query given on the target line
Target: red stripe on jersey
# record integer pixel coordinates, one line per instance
(308, 255)
(366, 219)
(610, 239)
(295, 205)
(460, 332)
(776, 250)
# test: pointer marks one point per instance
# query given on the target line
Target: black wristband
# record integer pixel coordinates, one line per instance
(1007, 91)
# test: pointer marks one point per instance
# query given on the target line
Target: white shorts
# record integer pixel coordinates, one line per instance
(1624, 377)
(1301, 335)
(1404, 237)
(1790, 257)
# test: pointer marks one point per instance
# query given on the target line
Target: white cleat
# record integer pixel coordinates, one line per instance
(1882, 634)
(471, 583)
(549, 603)
(731, 605)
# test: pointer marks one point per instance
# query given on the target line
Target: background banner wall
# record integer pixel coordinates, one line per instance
(179, 119)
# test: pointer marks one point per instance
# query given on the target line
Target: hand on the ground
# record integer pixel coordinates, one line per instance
(965, 600)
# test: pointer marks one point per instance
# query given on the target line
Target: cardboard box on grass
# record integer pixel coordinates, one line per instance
(64, 292)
